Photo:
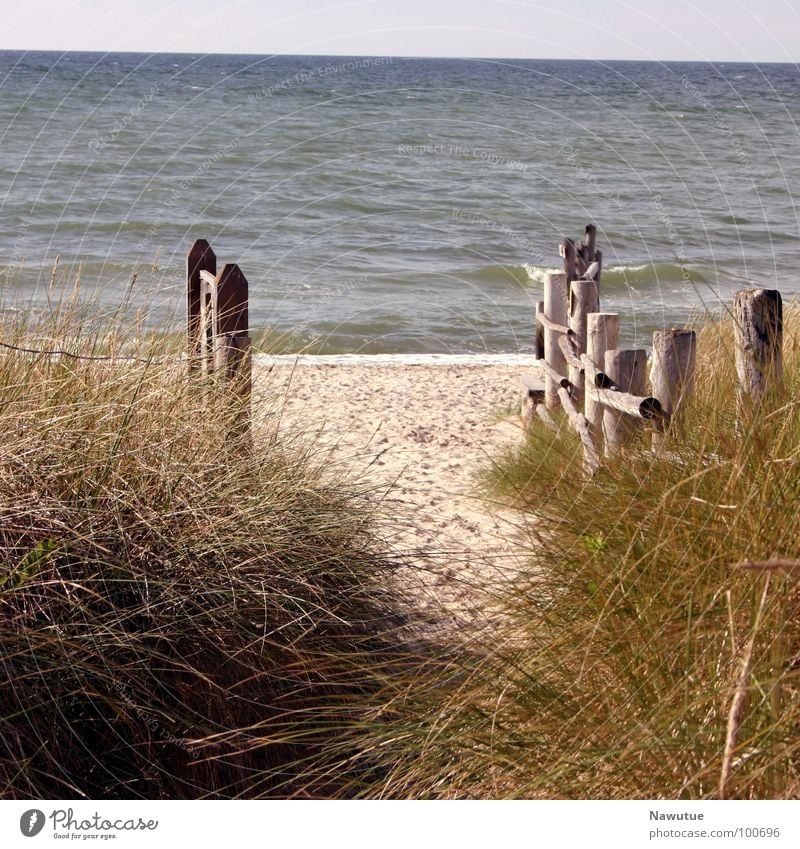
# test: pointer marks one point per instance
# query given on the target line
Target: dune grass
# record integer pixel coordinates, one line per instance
(178, 618)
(634, 660)
(185, 619)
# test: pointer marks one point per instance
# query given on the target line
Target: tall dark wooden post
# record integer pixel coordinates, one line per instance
(231, 332)
(200, 258)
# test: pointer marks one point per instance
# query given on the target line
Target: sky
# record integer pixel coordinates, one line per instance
(692, 30)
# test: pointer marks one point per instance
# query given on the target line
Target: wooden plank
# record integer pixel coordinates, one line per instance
(672, 374)
(199, 258)
(555, 311)
(532, 387)
(626, 368)
(758, 331)
(602, 331)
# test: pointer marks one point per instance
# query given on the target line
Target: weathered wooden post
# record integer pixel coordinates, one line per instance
(602, 332)
(200, 258)
(232, 361)
(539, 338)
(627, 369)
(758, 329)
(568, 252)
(555, 313)
(672, 374)
(584, 299)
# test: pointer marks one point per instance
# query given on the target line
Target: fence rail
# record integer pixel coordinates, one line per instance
(576, 348)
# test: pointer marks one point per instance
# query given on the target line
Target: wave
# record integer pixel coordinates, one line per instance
(625, 276)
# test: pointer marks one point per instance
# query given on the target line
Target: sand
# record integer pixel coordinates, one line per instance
(417, 432)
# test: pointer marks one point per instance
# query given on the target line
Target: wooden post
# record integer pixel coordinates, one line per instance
(583, 300)
(555, 309)
(628, 371)
(598, 258)
(602, 331)
(539, 339)
(567, 251)
(589, 243)
(758, 328)
(672, 374)
(200, 258)
(232, 360)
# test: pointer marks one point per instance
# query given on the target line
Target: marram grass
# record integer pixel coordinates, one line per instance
(178, 618)
(633, 659)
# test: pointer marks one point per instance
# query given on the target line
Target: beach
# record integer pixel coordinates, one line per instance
(417, 432)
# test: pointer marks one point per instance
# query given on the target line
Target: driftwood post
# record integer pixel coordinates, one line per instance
(539, 339)
(555, 313)
(672, 373)
(758, 328)
(584, 299)
(627, 369)
(200, 258)
(568, 252)
(602, 331)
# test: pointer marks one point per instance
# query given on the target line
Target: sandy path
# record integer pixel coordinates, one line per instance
(426, 430)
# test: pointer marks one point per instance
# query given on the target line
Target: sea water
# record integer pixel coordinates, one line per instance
(398, 205)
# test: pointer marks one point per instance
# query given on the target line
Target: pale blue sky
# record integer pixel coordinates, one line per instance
(766, 30)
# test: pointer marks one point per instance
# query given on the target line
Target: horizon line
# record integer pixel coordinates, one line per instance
(396, 56)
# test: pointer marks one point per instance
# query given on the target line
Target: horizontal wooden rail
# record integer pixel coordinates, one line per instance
(633, 405)
(551, 325)
(557, 378)
(572, 358)
(546, 418)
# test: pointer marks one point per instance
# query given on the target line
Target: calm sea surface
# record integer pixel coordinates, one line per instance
(399, 205)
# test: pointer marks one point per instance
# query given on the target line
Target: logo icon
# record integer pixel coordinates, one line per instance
(31, 822)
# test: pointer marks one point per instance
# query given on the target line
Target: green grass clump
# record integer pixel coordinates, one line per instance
(178, 618)
(630, 634)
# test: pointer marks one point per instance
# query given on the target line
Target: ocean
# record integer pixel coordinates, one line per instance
(385, 205)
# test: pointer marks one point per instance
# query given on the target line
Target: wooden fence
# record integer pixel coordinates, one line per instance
(217, 322)
(603, 389)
